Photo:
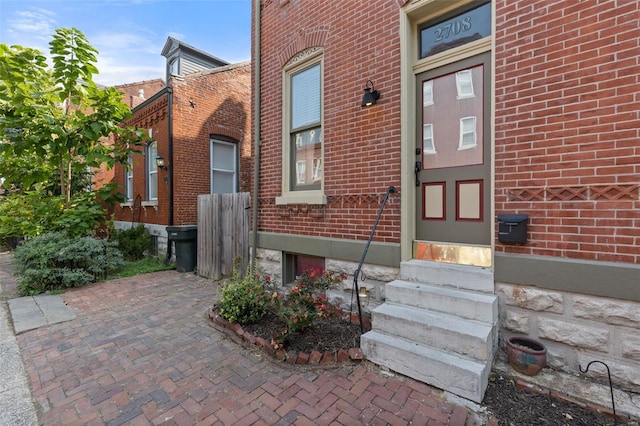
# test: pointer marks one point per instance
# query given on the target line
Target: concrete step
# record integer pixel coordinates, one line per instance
(453, 373)
(435, 329)
(464, 277)
(471, 305)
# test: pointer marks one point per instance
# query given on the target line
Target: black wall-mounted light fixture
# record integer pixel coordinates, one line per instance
(160, 163)
(370, 96)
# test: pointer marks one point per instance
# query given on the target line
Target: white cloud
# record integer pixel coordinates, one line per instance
(128, 34)
(127, 57)
(125, 42)
(128, 69)
(37, 23)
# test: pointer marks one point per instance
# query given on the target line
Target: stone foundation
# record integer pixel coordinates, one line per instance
(270, 263)
(576, 330)
(374, 278)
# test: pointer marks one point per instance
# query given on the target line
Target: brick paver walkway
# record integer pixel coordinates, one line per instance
(142, 352)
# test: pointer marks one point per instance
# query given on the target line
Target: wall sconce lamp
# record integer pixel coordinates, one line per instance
(370, 95)
(160, 163)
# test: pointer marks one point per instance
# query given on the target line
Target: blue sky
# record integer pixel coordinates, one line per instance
(130, 34)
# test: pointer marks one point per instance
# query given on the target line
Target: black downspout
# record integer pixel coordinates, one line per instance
(256, 131)
(170, 169)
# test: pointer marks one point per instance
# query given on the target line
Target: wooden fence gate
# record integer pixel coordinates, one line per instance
(223, 233)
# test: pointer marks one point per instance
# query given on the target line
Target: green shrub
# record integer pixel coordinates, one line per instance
(245, 300)
(132, 242)
(81, 216)
(55, 261)
(28, 215)
(306, 302)
(35, 213)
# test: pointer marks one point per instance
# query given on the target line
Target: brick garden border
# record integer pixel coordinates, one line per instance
(292, 357)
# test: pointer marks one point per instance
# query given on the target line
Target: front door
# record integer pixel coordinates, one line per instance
(453, 153)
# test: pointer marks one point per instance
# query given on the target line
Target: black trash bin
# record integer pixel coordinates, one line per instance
(185, 238)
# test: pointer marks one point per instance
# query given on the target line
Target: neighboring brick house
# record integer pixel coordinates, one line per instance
(133, 94)
(486, 109)
(195, 115)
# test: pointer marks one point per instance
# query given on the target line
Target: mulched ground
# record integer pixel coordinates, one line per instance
(511, 405)
(328, 335)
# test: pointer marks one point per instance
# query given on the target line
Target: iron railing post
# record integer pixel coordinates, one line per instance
(358, 271)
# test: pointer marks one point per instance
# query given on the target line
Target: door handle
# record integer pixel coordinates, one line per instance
(417, 170)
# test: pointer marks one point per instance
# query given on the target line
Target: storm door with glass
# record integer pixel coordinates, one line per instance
(452, 153)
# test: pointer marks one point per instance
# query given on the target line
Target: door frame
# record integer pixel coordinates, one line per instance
(413, 14)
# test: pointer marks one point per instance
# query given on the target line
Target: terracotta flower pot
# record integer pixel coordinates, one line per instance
(525, 355)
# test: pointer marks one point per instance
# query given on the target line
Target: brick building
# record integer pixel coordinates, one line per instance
(492, 116)
(195, 119)
(133, 94)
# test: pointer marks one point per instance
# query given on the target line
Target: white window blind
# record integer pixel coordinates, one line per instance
(128, 178)
(305, 97)
(152, 171)
(223, 167)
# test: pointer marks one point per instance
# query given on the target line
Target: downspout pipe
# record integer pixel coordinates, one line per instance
(256, 129)
(170, 168)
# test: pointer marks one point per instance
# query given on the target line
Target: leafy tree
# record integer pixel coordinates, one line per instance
(55, 125)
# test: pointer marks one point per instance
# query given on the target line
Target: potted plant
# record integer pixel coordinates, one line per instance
(525, 355)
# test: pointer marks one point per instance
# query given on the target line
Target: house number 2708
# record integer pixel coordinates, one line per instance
(453, 27)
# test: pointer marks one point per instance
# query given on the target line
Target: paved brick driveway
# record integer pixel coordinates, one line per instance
(142, 352)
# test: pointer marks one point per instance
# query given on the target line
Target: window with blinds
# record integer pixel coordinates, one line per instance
(128, 179)
(224, 166)
(306, 129)
(152, 171)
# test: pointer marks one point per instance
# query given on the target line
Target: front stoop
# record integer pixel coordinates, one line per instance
(437, 325)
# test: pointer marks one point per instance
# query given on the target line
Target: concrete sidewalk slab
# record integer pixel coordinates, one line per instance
(32, 312)
(16, 405)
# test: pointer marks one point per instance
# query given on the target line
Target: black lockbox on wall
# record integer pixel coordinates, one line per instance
(512, 228)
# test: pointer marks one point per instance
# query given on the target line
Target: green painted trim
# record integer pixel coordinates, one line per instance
(386, 254)
(605, 279)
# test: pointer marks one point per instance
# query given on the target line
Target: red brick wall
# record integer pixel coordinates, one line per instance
(361, 146)
(131, 91)
(222, 106)
(130, 97)
(155, 116)
(568, 126)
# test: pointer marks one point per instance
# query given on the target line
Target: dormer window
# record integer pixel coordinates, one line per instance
(183, 59)
(174, 67)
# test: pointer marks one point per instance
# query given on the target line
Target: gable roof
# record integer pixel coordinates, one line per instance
(174, 44)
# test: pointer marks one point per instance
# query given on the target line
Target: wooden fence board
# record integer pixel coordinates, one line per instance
(223, 233)
(215, 231)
